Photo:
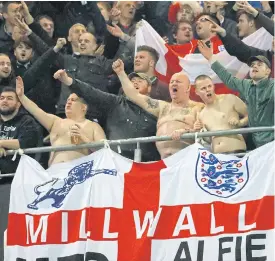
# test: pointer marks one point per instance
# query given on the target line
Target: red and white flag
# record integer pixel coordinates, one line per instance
(194, 205)
(176, 58)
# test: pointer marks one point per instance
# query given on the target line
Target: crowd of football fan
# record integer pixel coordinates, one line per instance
(70, 73)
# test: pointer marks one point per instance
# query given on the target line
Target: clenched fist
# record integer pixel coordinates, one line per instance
(60, 43)
(118, 66)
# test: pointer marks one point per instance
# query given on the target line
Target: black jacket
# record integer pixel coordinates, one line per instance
(24, 128)
(6, 42)
(236, 47)
(123, 119)
(66, 14)
(40, 86)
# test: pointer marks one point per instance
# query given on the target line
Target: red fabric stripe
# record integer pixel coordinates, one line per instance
(173, 66)
(139, 194)
(143, 196)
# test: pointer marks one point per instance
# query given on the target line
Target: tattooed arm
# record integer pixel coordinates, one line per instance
(151, 105)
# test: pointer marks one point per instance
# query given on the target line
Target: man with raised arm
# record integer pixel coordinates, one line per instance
(75, 129)
(221, 112)
(258, 92)
(174, 118)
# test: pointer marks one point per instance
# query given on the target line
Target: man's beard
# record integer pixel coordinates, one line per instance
(7, 112)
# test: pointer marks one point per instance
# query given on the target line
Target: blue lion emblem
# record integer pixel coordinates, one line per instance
(53, 190)
(222, 178)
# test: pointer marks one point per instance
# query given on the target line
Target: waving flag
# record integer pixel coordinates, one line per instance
(177, 58)
(194, 205)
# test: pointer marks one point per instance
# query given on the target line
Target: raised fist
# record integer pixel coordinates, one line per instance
(118, 66)
(60, 43)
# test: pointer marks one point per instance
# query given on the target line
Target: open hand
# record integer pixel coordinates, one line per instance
(19, 86)
(115, 30)
(62, 76)
(245, 6)
(206, 51)
(115, 14)
(26, 13)
(23, 27)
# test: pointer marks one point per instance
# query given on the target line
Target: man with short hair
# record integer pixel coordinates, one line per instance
(11, 11)
(258, 92)
(174, 118)
(6, 74)
(246, 24)
(145, 62)
(204, 25)
(17, 129)
(221, 112)
(123, 118)
(75, 129)
(74, 33)
(182, 32)
(47, 23)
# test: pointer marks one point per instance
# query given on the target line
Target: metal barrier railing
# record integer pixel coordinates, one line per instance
(142, 140)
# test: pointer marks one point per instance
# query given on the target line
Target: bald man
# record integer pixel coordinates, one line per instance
(74, 33)
(174, 118)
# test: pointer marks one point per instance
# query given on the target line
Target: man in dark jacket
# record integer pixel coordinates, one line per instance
(17, 129)
(6, 72)
(11, 10)
(39, 83)
(244, 52)
(123, 118)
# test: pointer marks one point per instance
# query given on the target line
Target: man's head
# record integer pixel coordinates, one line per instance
(259, 67)
(9, 102)
(11, 11)
(105, 9)
(87, 44)
(179, 87)
(127, 9)
(204, 25)
(146, 59)
(47, 23)
(246, 24)
(5, 66)
(75, 32)
(182, 32)
(141, 82)
(185, 13)
(23, 51)
(205, 89)
(75, 106)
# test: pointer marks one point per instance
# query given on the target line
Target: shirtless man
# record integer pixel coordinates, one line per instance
(221, 112)
(75, 129)
(174, 118)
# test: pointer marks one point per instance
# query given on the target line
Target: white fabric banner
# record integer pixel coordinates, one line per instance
(195, 64)
(194, 205)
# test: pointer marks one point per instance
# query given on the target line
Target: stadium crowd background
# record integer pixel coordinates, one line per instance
(69, 69)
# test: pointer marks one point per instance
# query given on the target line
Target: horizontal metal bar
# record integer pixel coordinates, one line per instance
(241, 154)
(143, 140)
